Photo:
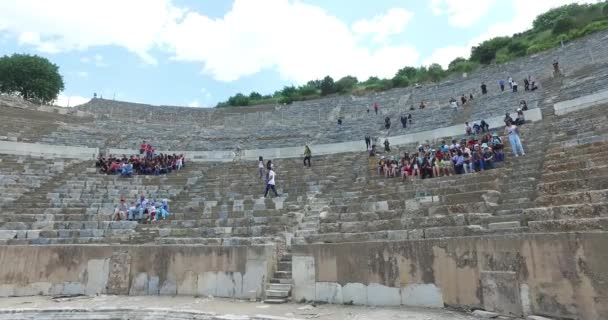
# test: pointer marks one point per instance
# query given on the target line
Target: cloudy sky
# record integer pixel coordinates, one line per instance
(198, 52)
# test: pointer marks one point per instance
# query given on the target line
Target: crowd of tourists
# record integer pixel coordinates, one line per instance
(141, 210)
(146, 163)
(477, 152)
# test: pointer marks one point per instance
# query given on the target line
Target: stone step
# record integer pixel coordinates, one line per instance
(277, 293)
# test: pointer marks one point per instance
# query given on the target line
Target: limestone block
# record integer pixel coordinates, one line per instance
(422, 295)
(118, 277)
(14, 226)
(73, 288)
(139, 285)
(380, 295)
(397, 235)
(329, 292)
(8, 234)
(303, 273)
(169, 286)
(355, 293)
(153, 288)
(501, 292)
(34, 289)
(188, 284)
(254, 277)
(32, 234)
(97, 276)
(229, 284)
(207, 284)
(7, 290)
(504, 225)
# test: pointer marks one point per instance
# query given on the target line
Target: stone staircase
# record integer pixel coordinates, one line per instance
(278, 290)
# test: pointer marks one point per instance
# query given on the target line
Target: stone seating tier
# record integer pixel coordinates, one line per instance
(173, 128)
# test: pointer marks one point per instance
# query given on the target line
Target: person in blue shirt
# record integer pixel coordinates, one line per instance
(501, 84)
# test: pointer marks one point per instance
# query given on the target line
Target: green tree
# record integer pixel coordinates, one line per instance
(605, 10)
(255, 96)
(563, 25)
(435, 72)
(409, 72)
(238, 100)
(34, 78)
(517, 48)
(401, 81)
(485, 52)
(455, 63)
(346, 84)
(327, 86)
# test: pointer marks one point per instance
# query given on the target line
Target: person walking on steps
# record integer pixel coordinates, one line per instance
(307, 155)
(261, 167)
(270, 183)
(512, 131)
(368, 142)
(376, 107)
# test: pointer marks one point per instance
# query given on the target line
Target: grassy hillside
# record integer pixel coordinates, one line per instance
(549, 29)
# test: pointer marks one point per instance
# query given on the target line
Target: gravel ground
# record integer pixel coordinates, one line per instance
(236, 307)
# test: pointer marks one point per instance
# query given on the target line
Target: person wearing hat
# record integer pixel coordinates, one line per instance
(120, 213)
(497, 146)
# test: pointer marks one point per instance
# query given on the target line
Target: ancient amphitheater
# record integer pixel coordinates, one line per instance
(528, 238)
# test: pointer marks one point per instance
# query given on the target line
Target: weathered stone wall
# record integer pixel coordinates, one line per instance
(559, 275)
(135, 270)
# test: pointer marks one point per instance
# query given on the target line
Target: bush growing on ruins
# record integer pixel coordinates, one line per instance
(346, 84)
(32, 77)
(327, 86)
(563, 25)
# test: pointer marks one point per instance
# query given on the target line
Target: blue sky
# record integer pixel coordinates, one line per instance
(196, 53)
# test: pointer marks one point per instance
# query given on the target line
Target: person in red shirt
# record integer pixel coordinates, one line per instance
(149, 151)
(376, 107)
(142, 147)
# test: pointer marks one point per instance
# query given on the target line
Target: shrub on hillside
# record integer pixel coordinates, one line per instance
(563, 25)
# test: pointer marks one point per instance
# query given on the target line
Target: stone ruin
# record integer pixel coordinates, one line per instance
(527, 238)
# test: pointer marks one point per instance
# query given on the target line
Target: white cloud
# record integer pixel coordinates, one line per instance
(64, 25)
(383, 26)
(97, 59)
(82, 74)
(279, 34)
(70, 101)
(299, 40)
(194, 104)
(461, 13)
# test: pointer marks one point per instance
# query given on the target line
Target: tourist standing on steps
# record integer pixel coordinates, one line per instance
(484, 88)
(513, 132)
(261, 167)
(387, 123)
(403, 121)
(307, 155)
(501, 84)
(270, 184)
(376, 107)
(368, 142)
(387, 145)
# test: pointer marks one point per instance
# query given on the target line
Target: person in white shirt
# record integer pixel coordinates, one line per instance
(261, 167)
(271, 183)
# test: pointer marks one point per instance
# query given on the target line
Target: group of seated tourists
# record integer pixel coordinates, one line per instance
(141, 210)
(463, 156)
(155, 164)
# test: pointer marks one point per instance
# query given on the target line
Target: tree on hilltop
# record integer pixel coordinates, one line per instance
(32, 77)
